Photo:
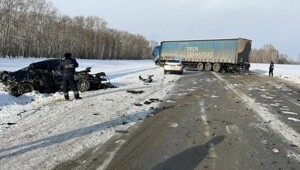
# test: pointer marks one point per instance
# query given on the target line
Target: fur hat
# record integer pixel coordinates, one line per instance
(68, 55)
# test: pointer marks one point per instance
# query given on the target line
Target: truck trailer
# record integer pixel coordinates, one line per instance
(210, 54)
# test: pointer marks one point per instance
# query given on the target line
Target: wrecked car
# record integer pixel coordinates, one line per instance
(87, 81)
(44, 77)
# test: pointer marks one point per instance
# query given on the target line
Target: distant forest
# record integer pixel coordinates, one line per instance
(34, 28)
(268, 53)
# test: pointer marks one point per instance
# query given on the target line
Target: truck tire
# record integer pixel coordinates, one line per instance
(200, 66)
(208, 66)
(216, 67)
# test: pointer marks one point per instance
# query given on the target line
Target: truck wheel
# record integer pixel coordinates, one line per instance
(83, 85)
(208, 66)
(200, 66)
(217, 67)
(25, 88)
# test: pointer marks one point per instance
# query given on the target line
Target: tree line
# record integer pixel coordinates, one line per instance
(268, 53)
(33, 28)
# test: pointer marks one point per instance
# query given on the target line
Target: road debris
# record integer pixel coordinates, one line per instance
(174, 124)
(122, 131)
(147, 80)
(147, 102)
(10, 124)
(135, 91)
(137, 104)
(275, 150)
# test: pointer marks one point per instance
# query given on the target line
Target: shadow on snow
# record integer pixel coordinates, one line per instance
(48, 141)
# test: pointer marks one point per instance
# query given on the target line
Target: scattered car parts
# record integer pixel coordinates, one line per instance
(147, 80)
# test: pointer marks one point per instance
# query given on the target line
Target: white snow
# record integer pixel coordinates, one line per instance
(38, 131)
(293, 119)
(284, 71)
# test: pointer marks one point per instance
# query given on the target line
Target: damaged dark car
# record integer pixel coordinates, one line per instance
(44, 77)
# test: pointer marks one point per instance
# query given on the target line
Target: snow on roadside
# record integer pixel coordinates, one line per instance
(284, 71)
(49, 130)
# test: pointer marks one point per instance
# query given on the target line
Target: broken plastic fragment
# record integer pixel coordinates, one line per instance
(275, 150)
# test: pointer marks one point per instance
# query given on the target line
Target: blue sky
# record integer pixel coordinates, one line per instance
(273, 22)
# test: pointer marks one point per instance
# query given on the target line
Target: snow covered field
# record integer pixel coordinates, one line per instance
(38, 131)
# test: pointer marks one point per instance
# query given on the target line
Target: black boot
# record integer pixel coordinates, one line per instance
(66, 97)
(77, 96)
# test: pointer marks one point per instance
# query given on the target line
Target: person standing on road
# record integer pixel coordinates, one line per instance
(271, 68)
(67, 67)
(247, 66)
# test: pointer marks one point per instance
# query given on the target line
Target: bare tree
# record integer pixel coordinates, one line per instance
(269, 53)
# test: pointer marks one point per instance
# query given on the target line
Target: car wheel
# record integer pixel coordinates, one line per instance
(84, 85)
(25, 88)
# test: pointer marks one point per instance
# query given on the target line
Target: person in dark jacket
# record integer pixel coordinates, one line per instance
(67, 67)
(247, 66)
(271, 68)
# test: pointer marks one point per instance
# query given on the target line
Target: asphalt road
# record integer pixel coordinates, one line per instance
(210, 121)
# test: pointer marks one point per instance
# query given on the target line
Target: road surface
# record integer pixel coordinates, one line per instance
(210, 121)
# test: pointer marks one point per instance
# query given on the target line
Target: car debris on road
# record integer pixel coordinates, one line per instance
(147, 80)
(135, 91)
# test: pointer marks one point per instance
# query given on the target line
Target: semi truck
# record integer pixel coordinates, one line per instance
(211, 54)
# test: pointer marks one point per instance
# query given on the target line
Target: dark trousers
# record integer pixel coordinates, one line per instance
(271, 72)
(69, 83)
(247, 71)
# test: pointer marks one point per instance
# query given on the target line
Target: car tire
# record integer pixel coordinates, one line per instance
(25, 88)
(83, 85)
